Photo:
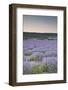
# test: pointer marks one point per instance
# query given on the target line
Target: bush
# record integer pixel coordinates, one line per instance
(50, 53)
(28, 53)
(35, 58)
(41, 68)
(52, 68)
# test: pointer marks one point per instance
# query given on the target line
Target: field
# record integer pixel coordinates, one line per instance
(40, 53)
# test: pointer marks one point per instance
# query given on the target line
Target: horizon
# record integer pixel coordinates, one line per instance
(27, 35)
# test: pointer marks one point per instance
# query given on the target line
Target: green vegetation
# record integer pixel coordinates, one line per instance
(35, 58)
(27, 35)
(41, 68)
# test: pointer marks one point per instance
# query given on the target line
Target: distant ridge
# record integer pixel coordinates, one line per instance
(27, 35)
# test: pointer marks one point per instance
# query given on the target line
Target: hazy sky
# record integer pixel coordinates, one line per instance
(42, 24)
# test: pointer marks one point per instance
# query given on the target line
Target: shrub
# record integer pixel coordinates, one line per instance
(35, 58)
(51, 54)
(52, 68)
(28, 53)
(41, 68)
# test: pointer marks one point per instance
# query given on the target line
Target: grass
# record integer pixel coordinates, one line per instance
(41, 68)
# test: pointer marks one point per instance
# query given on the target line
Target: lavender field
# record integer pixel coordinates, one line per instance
(40, 53)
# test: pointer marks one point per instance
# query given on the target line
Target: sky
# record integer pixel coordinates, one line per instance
(40, 24)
